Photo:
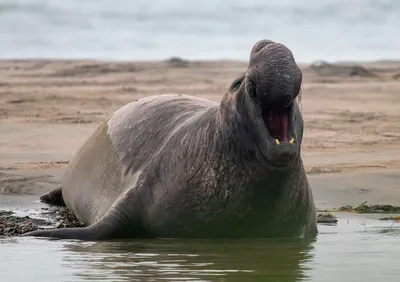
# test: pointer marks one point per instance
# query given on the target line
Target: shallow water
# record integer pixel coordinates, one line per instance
(358, 248)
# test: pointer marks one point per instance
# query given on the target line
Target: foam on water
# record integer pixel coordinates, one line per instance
(155, 29)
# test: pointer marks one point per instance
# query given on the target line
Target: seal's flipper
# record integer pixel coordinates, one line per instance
(118, 222)
(65, 233)
(106, 228)
(86, 233)
(54, 197)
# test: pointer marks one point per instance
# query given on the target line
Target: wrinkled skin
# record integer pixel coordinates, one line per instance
(181, 166)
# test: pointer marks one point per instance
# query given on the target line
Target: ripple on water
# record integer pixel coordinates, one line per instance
(355, 249)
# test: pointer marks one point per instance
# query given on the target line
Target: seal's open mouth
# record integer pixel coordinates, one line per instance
(279, 124)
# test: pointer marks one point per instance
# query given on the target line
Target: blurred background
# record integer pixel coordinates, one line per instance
(351, 145)
(156, 29)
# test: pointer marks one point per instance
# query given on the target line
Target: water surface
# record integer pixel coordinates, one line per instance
(359, 248)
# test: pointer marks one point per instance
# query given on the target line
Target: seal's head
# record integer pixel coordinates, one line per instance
(266, 101)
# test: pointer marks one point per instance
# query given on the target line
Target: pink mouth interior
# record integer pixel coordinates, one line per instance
(277, 123)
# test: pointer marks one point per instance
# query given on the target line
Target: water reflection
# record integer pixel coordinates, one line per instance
(359, 248)
(194, 260)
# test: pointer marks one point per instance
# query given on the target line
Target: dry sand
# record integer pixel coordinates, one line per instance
(48, 109)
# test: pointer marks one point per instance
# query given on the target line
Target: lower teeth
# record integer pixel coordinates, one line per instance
(291, 141)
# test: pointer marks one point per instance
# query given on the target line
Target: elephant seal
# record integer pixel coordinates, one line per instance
(181, 166)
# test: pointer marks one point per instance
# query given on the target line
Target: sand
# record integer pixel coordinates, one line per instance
(48, 108)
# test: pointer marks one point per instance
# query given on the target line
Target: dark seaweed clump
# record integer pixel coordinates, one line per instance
(11, 225)
(365, 208)
(66, 219)
(59, 217)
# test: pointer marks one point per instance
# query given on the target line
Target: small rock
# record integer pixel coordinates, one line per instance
(177, 62)
(327, 218)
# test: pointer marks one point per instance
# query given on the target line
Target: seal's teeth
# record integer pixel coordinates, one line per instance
(277, 142)
(291, 141)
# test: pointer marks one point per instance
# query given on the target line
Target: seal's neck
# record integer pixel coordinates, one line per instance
(236, 131)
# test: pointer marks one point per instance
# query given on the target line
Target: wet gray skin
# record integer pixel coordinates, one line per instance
(182, 166)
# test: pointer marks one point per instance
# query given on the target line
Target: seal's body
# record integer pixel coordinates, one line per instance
(182, 166)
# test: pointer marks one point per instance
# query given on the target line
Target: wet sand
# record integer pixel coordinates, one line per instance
(351, 145)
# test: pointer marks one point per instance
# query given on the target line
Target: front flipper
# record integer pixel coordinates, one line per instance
(54, 197)
(123, 220)
(106, 228)
(86, 233)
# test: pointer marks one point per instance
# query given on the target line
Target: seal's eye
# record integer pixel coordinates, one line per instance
(236, 84)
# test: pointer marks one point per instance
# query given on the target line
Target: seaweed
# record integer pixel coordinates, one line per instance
(365, 208)
(57, 217)
(11, 224)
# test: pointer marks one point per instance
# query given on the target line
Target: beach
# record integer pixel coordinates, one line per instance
(66, 66)
(351, 152)
(49, 107)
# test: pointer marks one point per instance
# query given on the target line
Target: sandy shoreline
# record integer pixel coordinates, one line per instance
(48, 108)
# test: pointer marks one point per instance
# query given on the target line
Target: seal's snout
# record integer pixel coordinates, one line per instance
(274, 73)
(260, 45)
(275, 81)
